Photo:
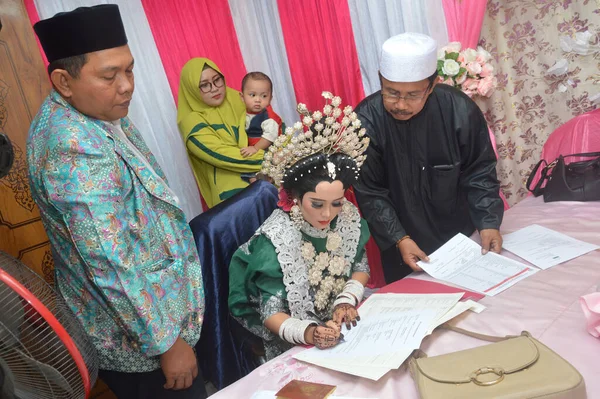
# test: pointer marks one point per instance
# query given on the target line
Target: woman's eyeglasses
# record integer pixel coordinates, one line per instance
(207, 87)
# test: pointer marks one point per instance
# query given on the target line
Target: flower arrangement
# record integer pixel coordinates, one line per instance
(468, 70)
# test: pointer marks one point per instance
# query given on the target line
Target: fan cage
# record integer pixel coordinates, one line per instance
(46, 350)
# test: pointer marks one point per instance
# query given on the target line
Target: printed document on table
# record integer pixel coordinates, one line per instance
(460, 262)
(543, 247)
(375, 340)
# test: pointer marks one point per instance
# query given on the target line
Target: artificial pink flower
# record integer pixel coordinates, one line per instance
(473, 68)
(285, 200)
(486, 86)
(461, 79)
(486, 70)
(470, 84)
(461, 59)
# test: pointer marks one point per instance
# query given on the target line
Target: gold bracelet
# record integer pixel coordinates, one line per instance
(406, 237)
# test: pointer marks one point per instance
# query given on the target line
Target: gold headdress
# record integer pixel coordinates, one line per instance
(328, 132)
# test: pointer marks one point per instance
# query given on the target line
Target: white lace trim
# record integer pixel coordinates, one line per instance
(287, 239)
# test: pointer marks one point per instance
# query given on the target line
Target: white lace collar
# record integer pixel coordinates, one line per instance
(287, 239)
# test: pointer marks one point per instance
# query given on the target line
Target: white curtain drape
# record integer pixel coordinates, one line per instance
(375, 21)
(261, 41)
(153, 108)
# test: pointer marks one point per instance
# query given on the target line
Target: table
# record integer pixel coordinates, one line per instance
(545, 304)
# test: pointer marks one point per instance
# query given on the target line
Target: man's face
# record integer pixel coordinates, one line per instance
(403, 100)
(105, 84)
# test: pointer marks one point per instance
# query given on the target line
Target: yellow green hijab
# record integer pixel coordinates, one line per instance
(191, 109)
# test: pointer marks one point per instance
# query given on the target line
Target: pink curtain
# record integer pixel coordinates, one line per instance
(184, 29)
(321, 51)
(464, 19)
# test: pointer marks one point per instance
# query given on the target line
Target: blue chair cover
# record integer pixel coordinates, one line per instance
(218, 233)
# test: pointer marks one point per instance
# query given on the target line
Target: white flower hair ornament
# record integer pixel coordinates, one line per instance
(331, 131)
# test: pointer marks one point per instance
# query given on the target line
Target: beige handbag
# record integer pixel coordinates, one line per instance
(515, 367)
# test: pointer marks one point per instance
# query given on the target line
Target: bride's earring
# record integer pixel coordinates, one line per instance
(296, 215)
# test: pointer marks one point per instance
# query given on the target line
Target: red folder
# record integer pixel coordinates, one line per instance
(417, 286)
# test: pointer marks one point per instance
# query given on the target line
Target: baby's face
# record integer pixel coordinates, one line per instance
(256, 95)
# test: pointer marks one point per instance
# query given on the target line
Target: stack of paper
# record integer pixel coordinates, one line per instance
(544, 247)
(460, 262)
(391, 327)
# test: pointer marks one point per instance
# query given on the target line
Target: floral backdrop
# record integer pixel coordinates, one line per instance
(524, 38)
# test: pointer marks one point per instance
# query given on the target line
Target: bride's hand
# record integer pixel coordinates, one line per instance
(345, 313)
(324, 337)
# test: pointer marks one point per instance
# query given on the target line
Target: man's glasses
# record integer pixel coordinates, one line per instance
(410, 98)
(207, 87)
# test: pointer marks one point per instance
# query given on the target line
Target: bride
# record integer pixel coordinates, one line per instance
(307, 262)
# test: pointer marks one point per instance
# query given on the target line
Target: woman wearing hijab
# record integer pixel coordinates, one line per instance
(208, 116)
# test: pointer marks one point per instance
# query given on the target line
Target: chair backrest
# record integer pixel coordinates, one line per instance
(580, 134)
(218, 233)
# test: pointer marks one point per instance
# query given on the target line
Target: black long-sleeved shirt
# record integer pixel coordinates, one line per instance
(430, 177)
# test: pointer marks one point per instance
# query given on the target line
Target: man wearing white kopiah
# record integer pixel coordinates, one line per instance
(430, 171)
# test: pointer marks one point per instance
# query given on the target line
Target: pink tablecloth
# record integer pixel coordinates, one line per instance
(545, 304)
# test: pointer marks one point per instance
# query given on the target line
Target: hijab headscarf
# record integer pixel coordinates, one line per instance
(192, 110)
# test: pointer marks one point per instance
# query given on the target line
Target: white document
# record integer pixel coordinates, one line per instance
(460, 262)
(544, 247)
(273, 395)
(375, 340)
(411, 315)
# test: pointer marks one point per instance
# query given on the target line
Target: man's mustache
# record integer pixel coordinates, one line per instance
(401, 112)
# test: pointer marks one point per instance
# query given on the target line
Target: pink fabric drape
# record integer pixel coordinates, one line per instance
(321, 51)
(464, 19)
(185, 29)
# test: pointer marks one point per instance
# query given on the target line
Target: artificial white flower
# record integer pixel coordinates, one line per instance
(307, 120)
(329, 120)
(347, 110)
(333, 241)
(337, 265)
(483, 55)
(337, 112)
(327, 109)
(314, 277)
(336, 101)
(469, 55)
(345, 121)
(317, 115)
(319, 127)
(453, 47)
(356, 124)
(322, 261)
(298, 126)
(450, 68)
(327, 95)
(302, 108)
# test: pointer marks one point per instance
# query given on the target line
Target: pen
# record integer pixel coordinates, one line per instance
(322, 323)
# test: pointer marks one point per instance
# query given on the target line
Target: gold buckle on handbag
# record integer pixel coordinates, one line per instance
(486, 370)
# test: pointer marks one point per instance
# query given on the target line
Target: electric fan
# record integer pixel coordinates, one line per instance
(44, 351)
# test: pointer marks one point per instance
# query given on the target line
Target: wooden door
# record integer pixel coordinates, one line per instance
(23, 86)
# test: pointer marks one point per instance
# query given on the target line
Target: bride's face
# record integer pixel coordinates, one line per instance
(320, 207)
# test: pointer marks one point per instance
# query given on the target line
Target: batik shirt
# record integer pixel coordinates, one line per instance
(125, 258)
